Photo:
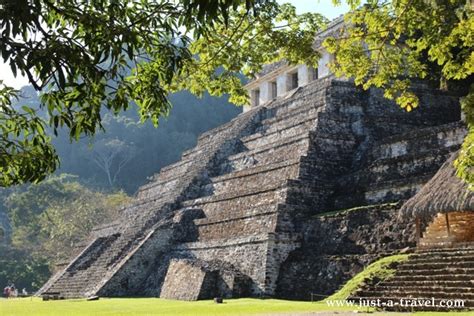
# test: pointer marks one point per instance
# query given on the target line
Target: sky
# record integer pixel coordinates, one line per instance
(325, 7)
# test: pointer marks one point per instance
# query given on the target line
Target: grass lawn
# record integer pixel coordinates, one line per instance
(155, 306)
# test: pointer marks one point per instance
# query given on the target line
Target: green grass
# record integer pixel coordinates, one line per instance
(161, 307)
(155, 306)
(378, 269)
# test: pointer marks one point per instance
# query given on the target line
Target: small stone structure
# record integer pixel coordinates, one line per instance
(188, 279)
(245, 212)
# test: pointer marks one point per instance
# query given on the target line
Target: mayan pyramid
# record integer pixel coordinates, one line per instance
(242, 213)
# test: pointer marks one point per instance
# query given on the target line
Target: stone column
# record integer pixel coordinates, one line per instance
(282, 84)
(304, 75)
(323, 69)
(265, 92)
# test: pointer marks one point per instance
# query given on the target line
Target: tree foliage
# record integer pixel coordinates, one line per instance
(153, 148)
(25, 151)
(387, 44)
(22, 268)
(85, 56)
(49, 219)
(112, 156)
(244, 45)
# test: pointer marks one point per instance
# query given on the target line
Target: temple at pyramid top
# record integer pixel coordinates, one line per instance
(280, 78)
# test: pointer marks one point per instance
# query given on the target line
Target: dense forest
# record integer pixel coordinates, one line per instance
(96, 175)
(128, 151)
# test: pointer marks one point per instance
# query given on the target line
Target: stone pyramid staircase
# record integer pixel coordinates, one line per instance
(439, 275)
(243, 177)
(140, 230)
(250, 217)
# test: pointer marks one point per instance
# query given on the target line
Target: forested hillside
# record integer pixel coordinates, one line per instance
(127, 152)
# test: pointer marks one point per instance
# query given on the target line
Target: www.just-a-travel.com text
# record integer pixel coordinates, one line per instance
(402, 302)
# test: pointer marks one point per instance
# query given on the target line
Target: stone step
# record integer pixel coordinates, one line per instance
(252, 214)
(440, 259)
(334, 144)
(425, 289)
(242, 226)
(296, 113)
(312, 195)
(237, 199)
(440, 226)
(445, 252)
(395, 190)
(206, 143)
(440, 265)
(445, 243)
(436, 271)
(280, 150)
(429, 278)
(313, 92)
(168, 177)
(261, 139)
(416, 294)
(442, 232)
(293, 192)
(174, 166)
(256, 170)
(280, 125)
(435, 235)
(256, 177)
(443, 136)
(407, 165)
(163, 188)
(435, 242)
(465, 283)
(219, 216)
(211, 135)
(339, 125)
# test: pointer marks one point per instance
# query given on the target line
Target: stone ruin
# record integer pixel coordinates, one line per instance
(292, 197)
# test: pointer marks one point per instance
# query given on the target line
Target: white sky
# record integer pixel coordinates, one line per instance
(325, 7)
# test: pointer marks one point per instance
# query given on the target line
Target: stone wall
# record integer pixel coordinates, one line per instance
(336, 247)
(185, 281)
(247, 254)
(195, 279)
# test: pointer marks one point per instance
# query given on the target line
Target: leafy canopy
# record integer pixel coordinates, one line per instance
(51, 218)
(88, 57)
(49, 221)
(387, 44)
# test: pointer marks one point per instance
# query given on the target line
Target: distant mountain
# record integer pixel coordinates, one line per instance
(128, 152)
